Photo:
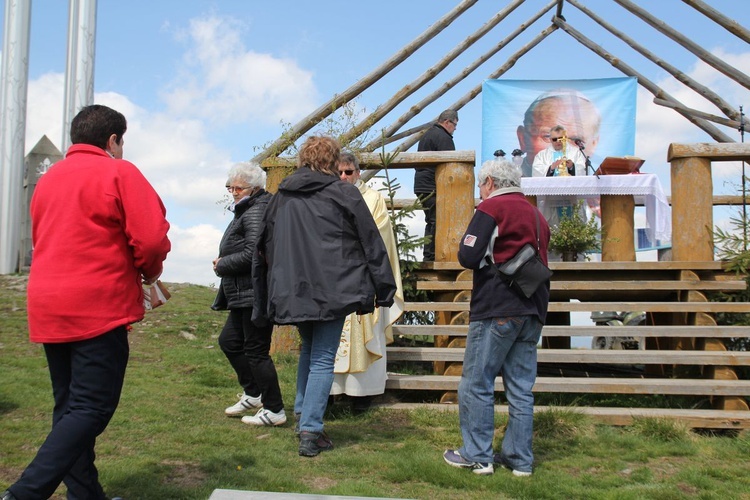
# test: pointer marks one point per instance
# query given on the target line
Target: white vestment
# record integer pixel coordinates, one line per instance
(360, 365)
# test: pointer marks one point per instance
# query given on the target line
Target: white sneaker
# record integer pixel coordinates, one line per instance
(266, 417)
(246, 403)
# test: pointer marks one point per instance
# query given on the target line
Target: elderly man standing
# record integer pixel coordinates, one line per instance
(360, 365)
(504, 326)
(439, 137)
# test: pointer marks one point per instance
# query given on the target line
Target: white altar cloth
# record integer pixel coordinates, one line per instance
(645, 188)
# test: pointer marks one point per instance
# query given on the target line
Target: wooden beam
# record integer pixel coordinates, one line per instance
(730, 25)
(710, 151)
(687, 387)
(416, 84)
(715, 331)
(700, 114)
(686, 42)
(417, 108)
(695, 419)
(607, 285)
(668, 307)
(578, 356)
(326, 109)
(715, 133)
(424, 159)
(709, 94)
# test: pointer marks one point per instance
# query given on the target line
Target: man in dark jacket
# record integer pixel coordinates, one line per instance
(439, 137)
(504, 326)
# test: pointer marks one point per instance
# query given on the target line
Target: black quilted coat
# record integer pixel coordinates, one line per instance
(236, 251)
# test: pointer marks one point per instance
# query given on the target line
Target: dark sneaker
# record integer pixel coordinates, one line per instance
(499, 461)
(7, 495)
(312, 443)
(454, 459)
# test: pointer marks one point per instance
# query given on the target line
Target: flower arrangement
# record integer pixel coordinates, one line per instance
(573, 234)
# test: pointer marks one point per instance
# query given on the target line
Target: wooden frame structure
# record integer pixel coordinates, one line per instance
(685, 352)
(393, 132)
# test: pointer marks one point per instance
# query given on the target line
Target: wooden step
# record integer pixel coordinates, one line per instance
(625, 357)
(714, 265)
(607, 285)
(686, 387)
(705, 419)
(707, 307)
(592, 331)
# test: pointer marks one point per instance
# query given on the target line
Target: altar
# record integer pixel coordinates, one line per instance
(618, 193)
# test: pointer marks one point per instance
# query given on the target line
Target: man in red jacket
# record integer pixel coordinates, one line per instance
(99, 233)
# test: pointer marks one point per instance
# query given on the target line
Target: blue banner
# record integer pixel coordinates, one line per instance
(518, 114)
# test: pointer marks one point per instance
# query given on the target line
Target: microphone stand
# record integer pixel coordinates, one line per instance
(588, 160)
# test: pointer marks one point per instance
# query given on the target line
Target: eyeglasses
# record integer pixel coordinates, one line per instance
(554, 139)
(237, 189)
(346, 172)
(454, 122)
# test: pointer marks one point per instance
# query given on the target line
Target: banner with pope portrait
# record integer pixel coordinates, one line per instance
(518, 115)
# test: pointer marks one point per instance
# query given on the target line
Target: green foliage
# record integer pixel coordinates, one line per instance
(406, 243)
(732, 247)
(169, 438)
(574, 234)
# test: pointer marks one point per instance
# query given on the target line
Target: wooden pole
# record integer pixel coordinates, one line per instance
(417, 108)
(715, 133)
(683, 40)
(617, 228)
(428, 75)
(361, 85)
(454, 183)
(692, 212)
(730, 25)
(709, 94)
(701, 114)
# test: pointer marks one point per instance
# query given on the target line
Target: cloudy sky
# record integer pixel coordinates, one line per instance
(208, 83)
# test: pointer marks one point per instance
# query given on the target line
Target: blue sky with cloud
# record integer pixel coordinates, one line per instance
(208, 83)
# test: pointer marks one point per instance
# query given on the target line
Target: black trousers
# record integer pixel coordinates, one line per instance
(430, 214)
(87, 378)
(248, 347)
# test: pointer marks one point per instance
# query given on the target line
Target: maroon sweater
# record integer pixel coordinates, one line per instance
(512, 216)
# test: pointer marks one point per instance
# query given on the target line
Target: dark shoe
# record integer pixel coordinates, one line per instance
(454, 459)
(360, 404)
(312, 443)
(7, 495)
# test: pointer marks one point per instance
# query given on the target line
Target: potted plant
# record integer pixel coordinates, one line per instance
(574, 235)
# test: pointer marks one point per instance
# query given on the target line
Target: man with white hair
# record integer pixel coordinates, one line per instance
(504, 326)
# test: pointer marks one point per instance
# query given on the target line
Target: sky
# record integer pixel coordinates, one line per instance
(205, 84)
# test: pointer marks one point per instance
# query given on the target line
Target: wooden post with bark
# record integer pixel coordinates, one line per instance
(692, 236)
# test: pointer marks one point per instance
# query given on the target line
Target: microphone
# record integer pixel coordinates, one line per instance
(579, 143)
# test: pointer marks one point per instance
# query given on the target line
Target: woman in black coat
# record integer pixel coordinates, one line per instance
(246, 346)
(325, 259)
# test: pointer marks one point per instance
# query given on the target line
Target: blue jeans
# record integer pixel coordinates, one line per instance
(505, 346)
(320, 341)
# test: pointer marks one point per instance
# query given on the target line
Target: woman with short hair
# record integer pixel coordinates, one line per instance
(246, 346)
(325, 260)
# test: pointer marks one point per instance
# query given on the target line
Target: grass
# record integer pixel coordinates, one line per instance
(170, 440)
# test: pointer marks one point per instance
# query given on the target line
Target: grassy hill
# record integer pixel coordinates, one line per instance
(170, 439)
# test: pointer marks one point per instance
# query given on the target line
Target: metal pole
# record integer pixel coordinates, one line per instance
(14, 78)
(79, 70)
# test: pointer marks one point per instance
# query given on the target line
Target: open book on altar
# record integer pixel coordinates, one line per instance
(618, 165)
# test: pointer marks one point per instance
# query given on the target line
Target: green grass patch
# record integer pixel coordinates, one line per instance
(170, 439)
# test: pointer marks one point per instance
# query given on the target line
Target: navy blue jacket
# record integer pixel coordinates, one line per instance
(435, 139)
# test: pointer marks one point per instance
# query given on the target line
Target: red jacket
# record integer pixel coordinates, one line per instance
(98, 229)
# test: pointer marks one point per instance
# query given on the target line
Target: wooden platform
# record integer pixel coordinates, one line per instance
(682, 351)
